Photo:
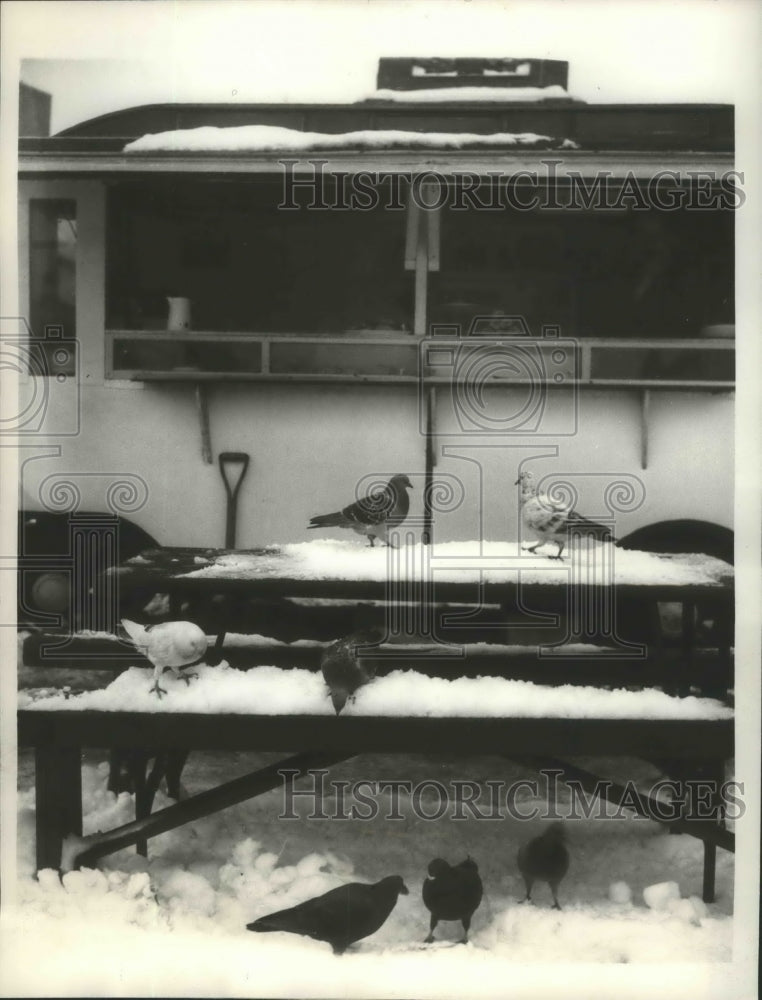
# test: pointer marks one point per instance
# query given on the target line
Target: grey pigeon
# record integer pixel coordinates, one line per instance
(375, 514)
(169, 646)
(452, 893)
(545, 859)
(550, 520)
(340, 917)
(344, 669)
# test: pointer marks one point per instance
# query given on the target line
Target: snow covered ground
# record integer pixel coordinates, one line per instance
(175, 924)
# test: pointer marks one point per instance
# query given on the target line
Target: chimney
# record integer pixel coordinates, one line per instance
(34, 111)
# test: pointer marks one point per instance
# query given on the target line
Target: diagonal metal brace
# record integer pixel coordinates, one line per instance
(83, 851)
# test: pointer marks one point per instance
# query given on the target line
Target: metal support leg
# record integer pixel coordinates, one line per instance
(138, 764)
(710, 846)
(204, 804)
(58, 785)
(687, 665)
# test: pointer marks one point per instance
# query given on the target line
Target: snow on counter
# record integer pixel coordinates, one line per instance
(272, 138)
(401, 693)
(464, 562)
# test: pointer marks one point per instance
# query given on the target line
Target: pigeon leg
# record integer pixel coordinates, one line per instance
(554, 890)
(157, 672)
(432, 926)
(561, 546)
(466, 921)
(528, 883)
(535, 547)
(187, 676)
(372, 543)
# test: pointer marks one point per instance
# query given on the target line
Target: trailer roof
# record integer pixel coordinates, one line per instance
(707, 127)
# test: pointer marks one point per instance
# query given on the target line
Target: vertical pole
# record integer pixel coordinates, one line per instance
(645, 409)
(202, 405)
(686, 668)
(431, 403)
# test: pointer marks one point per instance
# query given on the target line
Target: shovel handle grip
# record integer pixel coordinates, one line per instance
(230, 458)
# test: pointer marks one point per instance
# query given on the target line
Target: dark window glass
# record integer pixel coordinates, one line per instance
(52, 283)
(246, 265)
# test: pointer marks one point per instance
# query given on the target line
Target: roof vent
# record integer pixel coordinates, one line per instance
(428, 74)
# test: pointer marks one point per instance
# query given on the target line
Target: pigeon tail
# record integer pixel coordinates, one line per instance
(335, 520)
(135, 631)
(584, 524)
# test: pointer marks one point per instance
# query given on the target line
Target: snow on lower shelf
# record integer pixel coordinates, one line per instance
(493, 562)
(503, 95)
(271, 138)
(402, 693)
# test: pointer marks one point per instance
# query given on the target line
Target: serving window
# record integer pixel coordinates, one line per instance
(631, 274)
(196, 266)
(247, 265)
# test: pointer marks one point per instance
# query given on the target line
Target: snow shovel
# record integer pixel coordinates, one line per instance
(228, 459)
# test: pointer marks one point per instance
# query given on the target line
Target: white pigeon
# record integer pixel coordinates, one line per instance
(169, 646)
(550, 520)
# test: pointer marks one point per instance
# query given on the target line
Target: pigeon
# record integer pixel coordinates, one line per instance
(344, 669)
(340, 917)
(169, 646)
(373, 515)
(545, 858)
(549, 520)
(452, 893)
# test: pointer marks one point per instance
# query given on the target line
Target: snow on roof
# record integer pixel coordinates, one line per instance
(505, 95)
(271, 138)
(463, 562)
(403, 693)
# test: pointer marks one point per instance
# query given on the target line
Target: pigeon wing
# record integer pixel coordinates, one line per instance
(453, 894)
(371, 510)
(324, 918)
(584, 524)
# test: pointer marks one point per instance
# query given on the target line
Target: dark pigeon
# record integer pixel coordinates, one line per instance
(340, 917)
(452, 893)
(344, 670)
(545, 859)
(374, 514)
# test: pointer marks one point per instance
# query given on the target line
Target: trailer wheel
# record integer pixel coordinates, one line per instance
(714, 623)
(44, 578)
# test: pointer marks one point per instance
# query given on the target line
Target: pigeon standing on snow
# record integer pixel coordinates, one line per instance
(344, 669)
(549, 520)
(452, 893)
(340, 917)
(375, 514)
(169, 646)
(545, 859)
